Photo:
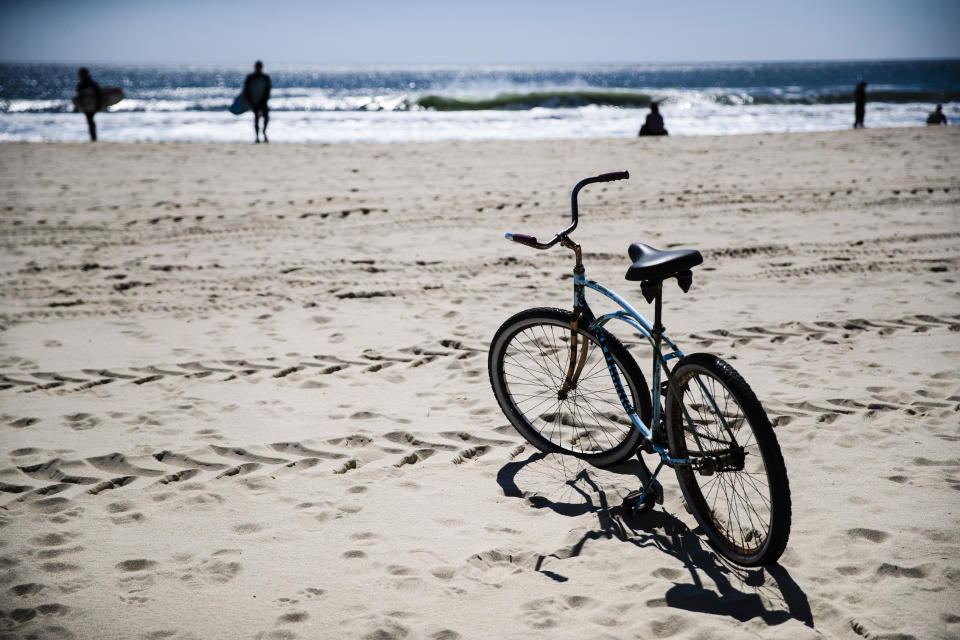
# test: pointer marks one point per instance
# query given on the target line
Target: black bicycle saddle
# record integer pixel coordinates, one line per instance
(654, 264)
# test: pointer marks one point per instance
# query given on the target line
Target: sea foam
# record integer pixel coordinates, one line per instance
(380, 104)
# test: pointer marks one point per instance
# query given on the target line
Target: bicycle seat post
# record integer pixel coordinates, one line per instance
(654, 290)
(658, 314)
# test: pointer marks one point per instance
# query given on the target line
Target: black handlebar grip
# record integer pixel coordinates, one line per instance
(530, 241)
(616, 175)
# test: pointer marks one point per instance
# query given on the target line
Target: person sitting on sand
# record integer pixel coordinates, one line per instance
(84, 87)
(256, 88)
(937, 116)
(653, 125)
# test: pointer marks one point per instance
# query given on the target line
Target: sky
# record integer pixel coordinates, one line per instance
(474, 31)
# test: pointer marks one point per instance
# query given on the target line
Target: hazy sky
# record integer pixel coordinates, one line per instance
(477, 31)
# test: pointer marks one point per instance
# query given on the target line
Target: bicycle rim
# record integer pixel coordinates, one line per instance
(529, 362)
(736, 507)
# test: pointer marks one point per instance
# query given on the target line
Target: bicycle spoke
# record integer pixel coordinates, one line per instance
(537, 360)
(588, 418)
(737, 501)
(611, 442)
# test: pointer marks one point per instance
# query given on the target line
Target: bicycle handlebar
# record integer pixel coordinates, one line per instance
(611, 177)
(531, 241)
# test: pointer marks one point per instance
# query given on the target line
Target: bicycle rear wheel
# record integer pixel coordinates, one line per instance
(528, 362)
(742, 497)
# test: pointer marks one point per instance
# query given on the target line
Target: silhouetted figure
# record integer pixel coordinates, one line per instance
(256, 88)
(937, 116)
(653, 125)
(87, 87)
(860, 104)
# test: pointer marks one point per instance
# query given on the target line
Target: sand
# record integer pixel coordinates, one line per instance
(244, 388)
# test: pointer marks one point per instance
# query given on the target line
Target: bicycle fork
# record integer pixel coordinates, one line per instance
(577, 361)
(575, 366)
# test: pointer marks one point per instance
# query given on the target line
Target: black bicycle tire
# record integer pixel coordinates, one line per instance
(632, 378)
(778, 486)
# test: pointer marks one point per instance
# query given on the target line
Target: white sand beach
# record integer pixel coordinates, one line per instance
(244, 389)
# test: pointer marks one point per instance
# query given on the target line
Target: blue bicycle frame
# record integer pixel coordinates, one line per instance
(654, 333)
(655, 336)
(690, 433)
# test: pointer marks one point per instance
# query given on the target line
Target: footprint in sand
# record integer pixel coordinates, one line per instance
(366, 538)
(443, 572)
(22, 423)
(81, 421)
(27, 589)
(216, 569)
(347, 466)
(247, 528)
(54, 539)
(136, 577)
(27, 614)
(60, 567)
(887, 570)
(139, 564)
(51, 505)
(45, 554)
(122, 514)
(415, 457)
(293, 617)
(868, 534)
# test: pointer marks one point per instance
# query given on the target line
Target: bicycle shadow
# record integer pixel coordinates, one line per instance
(569, 487)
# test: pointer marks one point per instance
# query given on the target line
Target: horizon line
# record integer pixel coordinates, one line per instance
(476, 64)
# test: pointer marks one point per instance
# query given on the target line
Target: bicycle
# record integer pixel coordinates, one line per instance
(569, 386)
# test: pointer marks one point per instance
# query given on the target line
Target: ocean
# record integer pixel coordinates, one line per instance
(426, 103)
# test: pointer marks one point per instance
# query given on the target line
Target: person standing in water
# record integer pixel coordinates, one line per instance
(89, 92)
(860, 104)
(256, 89)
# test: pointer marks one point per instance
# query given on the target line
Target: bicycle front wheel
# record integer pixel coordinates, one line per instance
(528, 363)
(740, 494)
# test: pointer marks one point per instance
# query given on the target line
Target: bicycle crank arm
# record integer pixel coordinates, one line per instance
(649, 493)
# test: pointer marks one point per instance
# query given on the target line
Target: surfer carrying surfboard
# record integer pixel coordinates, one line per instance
(256, 89)
(90, 95)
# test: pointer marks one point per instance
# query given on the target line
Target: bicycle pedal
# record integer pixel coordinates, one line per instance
(641, 500)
